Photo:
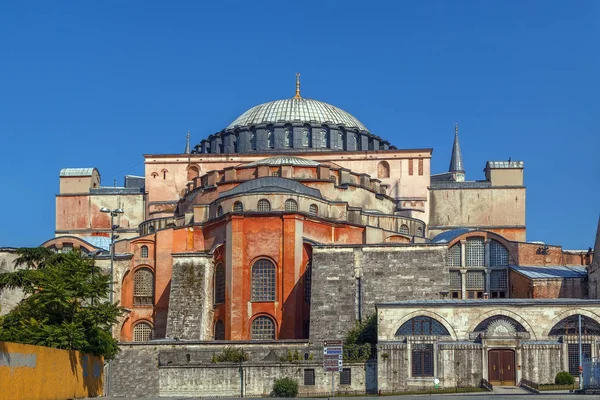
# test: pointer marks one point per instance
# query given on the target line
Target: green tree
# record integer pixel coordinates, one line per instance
(65, 306)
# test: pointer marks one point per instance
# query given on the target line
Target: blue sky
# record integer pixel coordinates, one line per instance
(101, 83)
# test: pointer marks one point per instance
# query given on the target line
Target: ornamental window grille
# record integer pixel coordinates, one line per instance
(422, 359)
(313, 210)
(144, 252)
(263, 281)
(143, 287)
(263, 328)
(142, 332)
(309, 377)
(307, 283)
(403, 229)
(238, 206)
(306, 138)
(499, 280)
(219, 330)
(253, 141)
(475, 249)
(498, 255)
(289, 137)
(219, 284)
(422, 325)
(496, 320)
(346, 376)
(419, 231)
(291, 205)
(573, 356)
(454, 259)
(455, 280)
(271, 139)
(264, 205)
(570, 326)
(475, 280)
(219, 211)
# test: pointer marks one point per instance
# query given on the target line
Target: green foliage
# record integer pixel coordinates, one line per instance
(357, 346)
(66, 305)
(213, 359)
(564, 378)
(285, 387)
(231, 354)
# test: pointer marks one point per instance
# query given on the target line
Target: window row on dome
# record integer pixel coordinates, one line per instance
(281, 137)
(264, 205)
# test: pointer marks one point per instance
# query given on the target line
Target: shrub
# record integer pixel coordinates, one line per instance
(285, 387)
(232, 355)
(564, 378)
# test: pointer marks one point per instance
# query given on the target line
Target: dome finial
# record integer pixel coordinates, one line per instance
(297, 96)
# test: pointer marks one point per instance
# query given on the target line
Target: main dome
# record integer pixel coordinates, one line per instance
(297, 109)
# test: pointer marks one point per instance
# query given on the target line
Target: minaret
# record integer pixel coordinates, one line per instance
(187, 144)
(297, 96)
(456, 163)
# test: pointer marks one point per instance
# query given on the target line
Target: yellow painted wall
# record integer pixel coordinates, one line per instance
(42, 373)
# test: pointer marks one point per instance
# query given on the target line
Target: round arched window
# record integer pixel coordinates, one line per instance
(313, 210)
(238, 207)
(263, 328)
(264, 205)
(291, 205)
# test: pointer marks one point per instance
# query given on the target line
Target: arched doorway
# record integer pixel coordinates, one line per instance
(501, 367)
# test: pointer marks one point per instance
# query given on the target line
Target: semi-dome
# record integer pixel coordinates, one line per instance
(297, 109)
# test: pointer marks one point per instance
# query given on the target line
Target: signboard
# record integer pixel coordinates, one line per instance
(333, 351)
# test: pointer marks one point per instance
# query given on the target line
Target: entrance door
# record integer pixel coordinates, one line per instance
(501, 367)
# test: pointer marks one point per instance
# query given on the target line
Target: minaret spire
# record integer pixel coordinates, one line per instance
(456, 162)
(187, 144)
(297, 96)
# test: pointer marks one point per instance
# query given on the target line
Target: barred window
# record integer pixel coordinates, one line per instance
(263, 281)
(219, 330)
(144, 252)
(238, 207)
(454, 259)
(313, 210)
(309, 377)
(275, 173)
(498, 255)
(403, 229)
(263, 328)
(219, 284)
(346, 376)
(419, 231)
(143, 287)
(142, 332)
(422, 359)
(475, 249)
(289, 137)
(219, 211)
(264, 205)
(499, 280)
(307, 283)
(422, 325)
(455, 280)
(570, 326)
(306, 138)
(475, 280)
(253, 141)
(291, 205)
(573, 350)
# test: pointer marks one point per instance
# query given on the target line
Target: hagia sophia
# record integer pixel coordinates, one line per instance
(293, 223)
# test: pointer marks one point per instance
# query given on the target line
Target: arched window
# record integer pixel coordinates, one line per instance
(219, 211)
(403, 229)
(291, 205)
(192, 172)
(454, 256)
(570, 327)
(143, 287)
(263, 328)
(383, 169)
(219, 330)
(307, 283)
(288, 135)
(498, 254)
(313, 210)
(142, 332)
(358, 142)
(271, 139)
(475, 249)
(499, 324)
(419, 231)
(324, 137)
(422, 326)
(144, 252)
(151, 229)
(253, 141)
(264, 205)
(219, 284)
(306, 138)
(263, 281)
(238, 207)
(341, 144)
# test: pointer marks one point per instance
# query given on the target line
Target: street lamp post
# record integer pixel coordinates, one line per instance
(113, 227)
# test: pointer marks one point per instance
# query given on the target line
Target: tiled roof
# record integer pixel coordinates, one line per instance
(76, 171)
(285, 160)
(100, 242)
(296, 110)
(448, 236)
(505, 164)
(550, 272)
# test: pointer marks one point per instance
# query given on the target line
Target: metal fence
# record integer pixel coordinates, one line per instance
(591, 373)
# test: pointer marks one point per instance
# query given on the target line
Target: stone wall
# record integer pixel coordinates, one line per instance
(348, 281)
(392, 366)
(460, 364)
(191, 299)
(9, 298)
(541, 362)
